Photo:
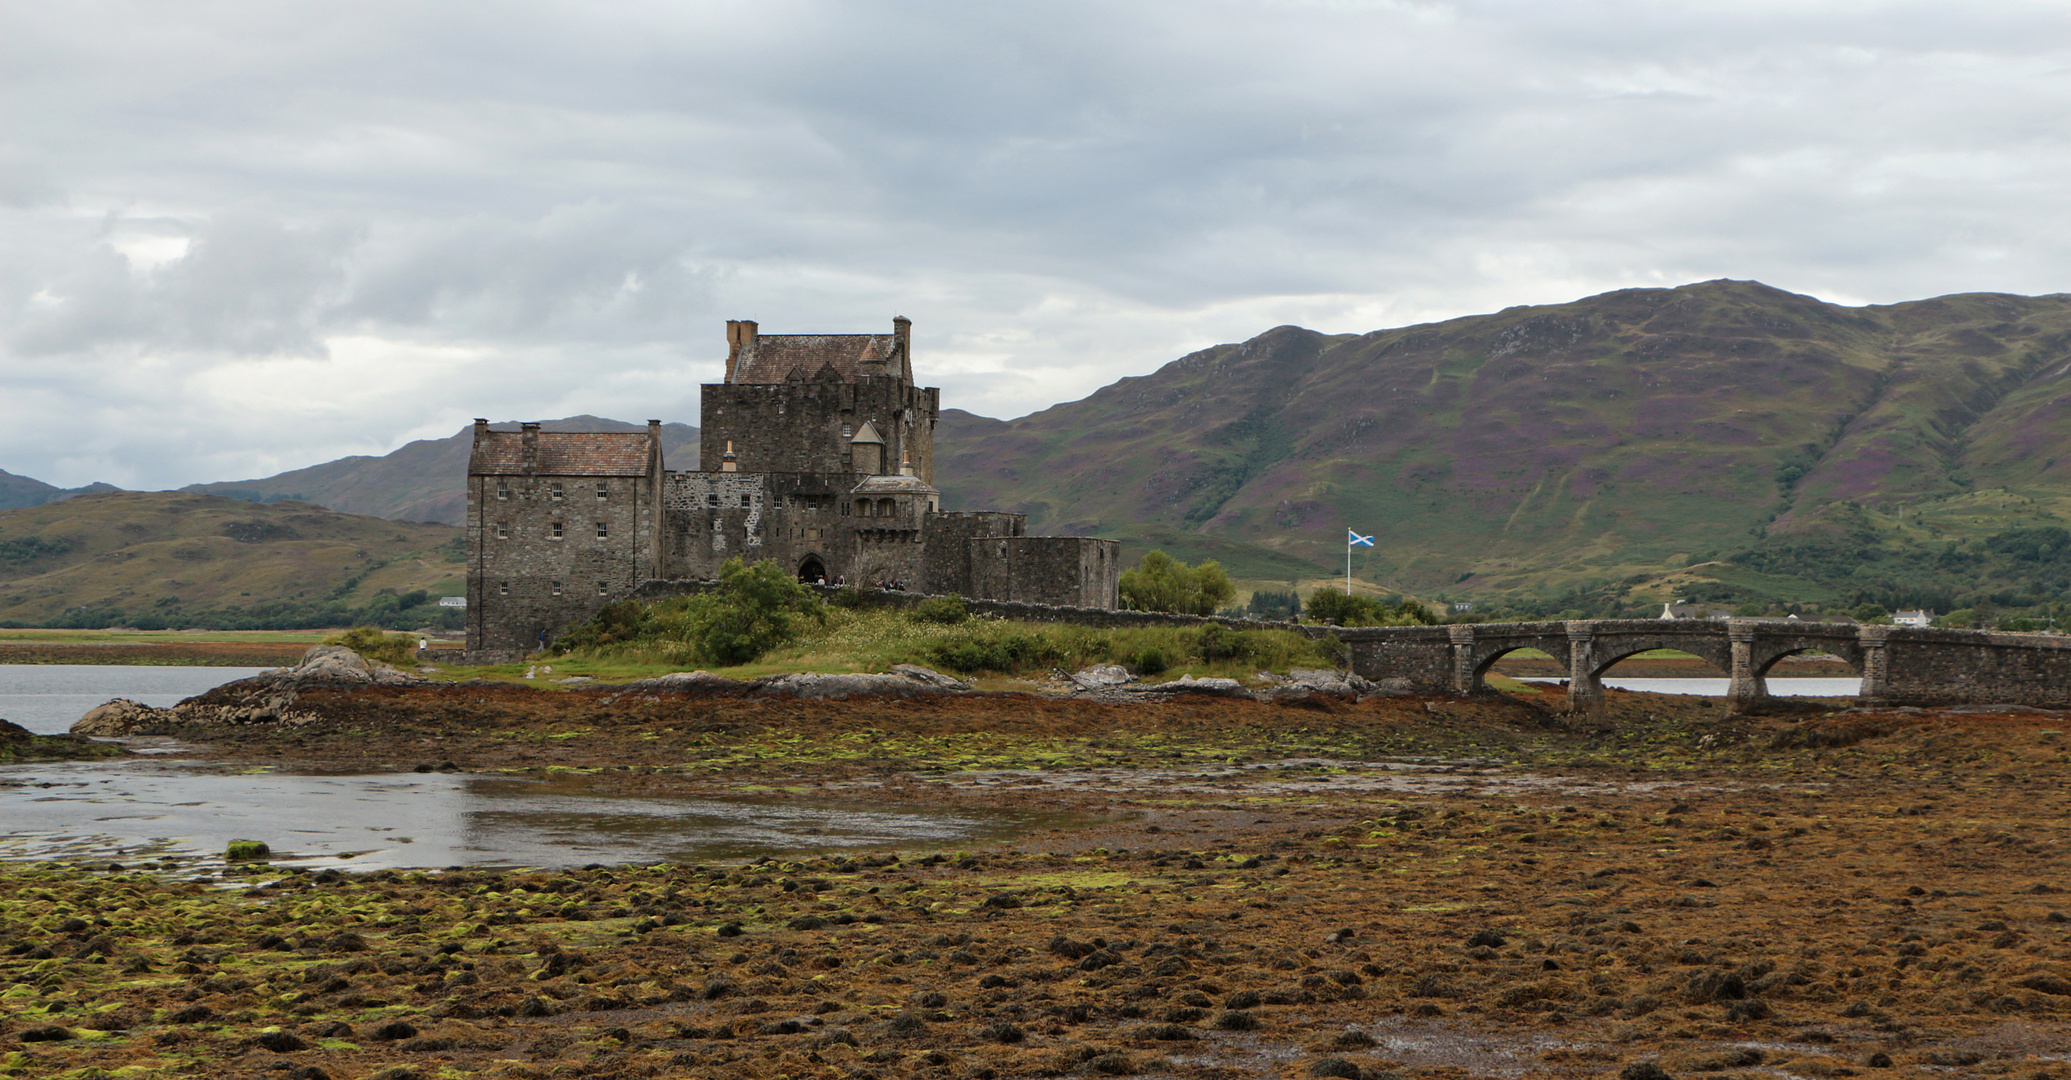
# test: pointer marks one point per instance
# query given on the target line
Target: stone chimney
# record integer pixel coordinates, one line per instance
(740, 336)
(654, 445)
(727, 461)
(529, 444)
(905, 466)
(481, 429)
(902, 333)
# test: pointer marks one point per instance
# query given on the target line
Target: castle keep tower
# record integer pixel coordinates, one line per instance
(818, 451)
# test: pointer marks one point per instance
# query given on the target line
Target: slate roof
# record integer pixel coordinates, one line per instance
(775, 358)
(562, 453)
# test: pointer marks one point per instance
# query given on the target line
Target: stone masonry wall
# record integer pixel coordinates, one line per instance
(797, 427)
(524, 581)
(948, 560)
(1065, 571)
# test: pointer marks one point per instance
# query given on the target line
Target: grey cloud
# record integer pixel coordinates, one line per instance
(1058, 194)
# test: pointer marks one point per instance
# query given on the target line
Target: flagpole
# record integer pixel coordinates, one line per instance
(1348, 565)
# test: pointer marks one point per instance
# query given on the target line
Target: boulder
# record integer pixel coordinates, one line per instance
(815, 687)
(929, 678)
(1100, 677)
(1187, 684)
(120, 717)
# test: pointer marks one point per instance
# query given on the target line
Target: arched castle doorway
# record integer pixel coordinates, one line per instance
(812, 569)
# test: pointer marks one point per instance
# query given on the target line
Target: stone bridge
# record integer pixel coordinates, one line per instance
(1899, 665)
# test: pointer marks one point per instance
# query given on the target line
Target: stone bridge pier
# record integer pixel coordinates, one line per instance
(1898, 665)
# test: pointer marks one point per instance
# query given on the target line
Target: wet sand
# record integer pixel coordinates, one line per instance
(1408, 887)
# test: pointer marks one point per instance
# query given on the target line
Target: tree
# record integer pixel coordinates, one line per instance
(756, 609)
(1332, 606)
(1163, 583)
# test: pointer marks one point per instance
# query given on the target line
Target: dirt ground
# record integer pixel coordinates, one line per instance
(1427, 888)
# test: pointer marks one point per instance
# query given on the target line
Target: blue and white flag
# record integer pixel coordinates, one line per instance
(1353, 539)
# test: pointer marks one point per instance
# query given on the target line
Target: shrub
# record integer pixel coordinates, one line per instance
(1149, 660)
(943, 610)
(372, 643)
(995, 647)
(1162, 583)
(756, 609)
(1332, 606)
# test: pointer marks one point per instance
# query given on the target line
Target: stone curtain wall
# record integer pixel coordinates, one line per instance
(1062, 571)
(948, 562)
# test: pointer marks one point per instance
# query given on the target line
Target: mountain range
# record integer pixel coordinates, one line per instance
(1723, 440)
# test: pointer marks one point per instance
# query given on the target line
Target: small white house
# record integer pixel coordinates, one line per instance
(1912, 618)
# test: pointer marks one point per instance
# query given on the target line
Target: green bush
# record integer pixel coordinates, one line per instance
(1001, 647)
(1331, 606)
(942, 610)
(1162, 583)
(1960, 619)
(1149, 660)
(374, 644)
(755, 609)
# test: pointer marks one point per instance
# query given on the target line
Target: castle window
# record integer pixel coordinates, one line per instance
(745, 503)
(503, 530)
(557, 588)
(601, 589)
(712, 499)
(776, 502)
(503, 490)
(602, 530)
(554, 491)
(886, 508)
(602, 491)
(846, 431)
(503, 588)
(554, 531)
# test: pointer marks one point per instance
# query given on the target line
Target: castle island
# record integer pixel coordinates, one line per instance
(817, 451)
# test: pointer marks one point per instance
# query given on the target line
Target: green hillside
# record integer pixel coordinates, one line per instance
(1727, 437)
(424, 480)
(158, 559)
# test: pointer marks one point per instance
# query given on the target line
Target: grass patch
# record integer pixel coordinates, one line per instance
(875, 639)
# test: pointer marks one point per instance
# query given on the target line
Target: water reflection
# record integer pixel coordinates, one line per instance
(93, 810)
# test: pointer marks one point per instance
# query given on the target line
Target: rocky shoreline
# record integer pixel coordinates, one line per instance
(1351, 884)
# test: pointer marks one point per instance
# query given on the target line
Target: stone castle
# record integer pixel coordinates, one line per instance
(817, 451)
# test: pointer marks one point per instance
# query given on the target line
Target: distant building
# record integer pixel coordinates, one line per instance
(1912, 618)
(1463, 606)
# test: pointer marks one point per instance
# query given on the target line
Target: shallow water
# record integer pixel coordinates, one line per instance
(49, 698)
(1784, 687)
(132, 809)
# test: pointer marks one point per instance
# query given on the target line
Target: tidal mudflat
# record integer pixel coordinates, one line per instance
(1406, 887)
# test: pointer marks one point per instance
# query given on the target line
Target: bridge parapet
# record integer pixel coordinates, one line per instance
(1898, 665)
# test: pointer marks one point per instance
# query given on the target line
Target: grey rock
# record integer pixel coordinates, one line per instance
(931, 678)
(1187, 684)
(684, 680)
(813, 687)
(1100, 677)
(119, 717)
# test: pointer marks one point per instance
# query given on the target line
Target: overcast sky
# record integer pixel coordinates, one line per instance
(242, 238)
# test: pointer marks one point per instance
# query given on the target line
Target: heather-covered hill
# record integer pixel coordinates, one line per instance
(1542, 448)
(24, 491)
(179, 559)
(425, 480)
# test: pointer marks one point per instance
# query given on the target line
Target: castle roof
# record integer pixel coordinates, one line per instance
(894, 485)
(562, 453)
(775, 358)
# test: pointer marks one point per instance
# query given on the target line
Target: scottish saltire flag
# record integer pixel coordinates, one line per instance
(1353, 539)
